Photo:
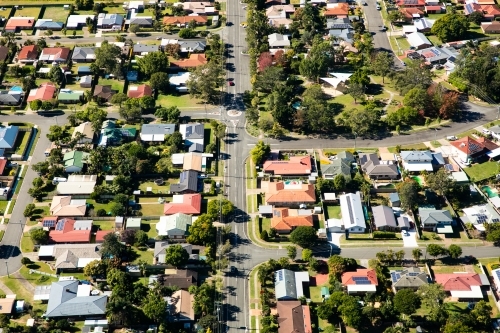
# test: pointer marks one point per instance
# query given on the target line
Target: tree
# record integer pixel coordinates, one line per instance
(95, 268)
(359, 121)
(476, 17)
(204, 81)
(360, 77)
(26, 261)
(202, 231)
(153, 62)
(159, 81)
(218, 128)
(147, 102)
(128, 236)
(416, 98)
(112, 248)
(395, 16)
(265, 60)
(106, 56)
(406, 301)
(383, 62)
(408, 194)
(134, 28)
(119, 98)
(439, 181)
(36, 105)
(29, 210)
(39, 236)
(482, 314)
(432, 295)
(450, 27)
(454, 251)
(356, 91)
(176, 255)
(307, 254)
(170, 115)
(259, 152)
(304, 236)
(416, 254)
(267, 79)
(117, 209)
(56, 75)
(320, 56)
(457, 327)
(451, 105)
(131, 109)
(213, 208)
(291, 252)
(207, 321)
(187, 33)
(141, 238)
(319, 115)
(435, 250)
(164, 165)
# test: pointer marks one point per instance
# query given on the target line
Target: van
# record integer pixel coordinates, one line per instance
(451, 138)
(59, 180)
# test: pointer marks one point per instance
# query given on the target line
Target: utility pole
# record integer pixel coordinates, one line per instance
(7, 266)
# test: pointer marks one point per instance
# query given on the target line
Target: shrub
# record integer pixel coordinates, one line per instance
(101, 212)
(384, 234)
(457, 82)
(43, 278)
(264, 236)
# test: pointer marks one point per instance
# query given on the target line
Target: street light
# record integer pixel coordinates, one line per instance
(7, 266)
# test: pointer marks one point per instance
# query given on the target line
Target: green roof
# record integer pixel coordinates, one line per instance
(69, 96)
(75, 158)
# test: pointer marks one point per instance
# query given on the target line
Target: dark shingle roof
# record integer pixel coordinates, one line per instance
(188, 181)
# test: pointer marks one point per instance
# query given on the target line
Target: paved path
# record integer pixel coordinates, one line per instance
(6, 289)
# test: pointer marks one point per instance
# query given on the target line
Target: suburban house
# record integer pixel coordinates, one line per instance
(139, 91)
(180, 278)
(77, 185)
(174, 226)
(71, 231)
(192, 133)
(11, 97)
(423, 24)
(408, 278)
(55, 54)
(7, 305)
(466, 287)
(72, 299)
(86, 132)
(64, 206)
(28, 54)
(336, 10)
(133, 223)
(376, 169)
(418, 161)
(410, 3)
(112, 135)
(69, 256)
(86, 81)
(284, 223)
(468, 149)
(183, 21)
(293, 317)
(103, 92)
(418, 41)
(44, 92)
(74, 161)
(180, 306)
(179, 81)
(360, 282)
(289, 285)
(434, 9)
(192, 46)
(278, 41)
(339, 23)
(394, 199)
(194, 60)
(353, 218)
(339, 166)
(110, 21)
(8, 137)
(436, 55)
(188, 183)
(200, 8)
(279, 11)
(142, 21)
(191, 161)
(48, 24)
(491, 28)
(162, 246)
(83, 54)
(143, 49)
(14, 24)
(296, 166)
(479, 215)
(289, 195)
(78, 21)
(383, 218)
(436, 220)
(156, 132)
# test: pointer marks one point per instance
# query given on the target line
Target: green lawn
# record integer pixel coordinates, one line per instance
(40, 212)
(265, 224)
(333, 212)
(115, 84)
(3, 206)
(434, 40)
(152, 209)
(418, 146)
(157, 188)
(28, 12)
(448, 269)
(181, 101)
(104, 225)
(99, 205)
(38, 279)
(26, 243)
(22, 142)
(114, 10)
(147, 256)
(17, 288)
(13, 202)
(478, 172)
(56, 13)
(150, 228)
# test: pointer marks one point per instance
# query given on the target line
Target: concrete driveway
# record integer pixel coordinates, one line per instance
(410, 241)
(334, 238)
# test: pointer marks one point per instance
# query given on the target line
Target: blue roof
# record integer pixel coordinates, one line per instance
(8, 136)
(132, 75)
(84, 69)
(394, 197)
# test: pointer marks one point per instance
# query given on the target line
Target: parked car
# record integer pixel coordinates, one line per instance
(405, 233)
(231, 83)
(364, 3)
(485, 131)
(378, 7)
(202, 176)
(384, 28)
(451, 138)
(234, 269)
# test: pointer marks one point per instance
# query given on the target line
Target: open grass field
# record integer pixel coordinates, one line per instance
(478, 172)
(56, 13)
(181, 101)
(26, 243)
(28, 12)
(115, 84)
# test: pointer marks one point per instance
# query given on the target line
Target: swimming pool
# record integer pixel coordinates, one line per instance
(489, 191)
(419, 180)
(292, 182)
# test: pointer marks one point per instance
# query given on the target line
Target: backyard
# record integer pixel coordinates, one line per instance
(154, 188)
(149, 226)
(28, 12)
(333, 212)
(181, 101)
(152, 209)
(99, 205)
(478, 172)
(115, 84)
(56, 13)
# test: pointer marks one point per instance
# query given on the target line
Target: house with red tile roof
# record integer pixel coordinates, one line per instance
(55, 54)
(361, 281)
(99, 235)
(184, 203)
(194, 60)
(490, 12)
(139, 91)
(71, 231)
(296, 166)
(464, 286)
(44, 93)
(15, 24)
(3, 164)
(468, 149)
(284, 223)
(289, 195)
(338, 10)
(293, 317)
(182, 21)
(411, 13)
(28, 54)
(410, 3)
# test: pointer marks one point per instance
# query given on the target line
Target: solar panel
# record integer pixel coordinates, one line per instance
(360, 278)
(49, 223)
(495, 220)
(448, 167)
(393, 277)
(60, 225)
(363, 282)
(280, 275)
(413, 274)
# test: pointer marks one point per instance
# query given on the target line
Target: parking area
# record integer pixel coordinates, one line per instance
(411, 240)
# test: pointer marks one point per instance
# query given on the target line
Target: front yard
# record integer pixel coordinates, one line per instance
(181, 101)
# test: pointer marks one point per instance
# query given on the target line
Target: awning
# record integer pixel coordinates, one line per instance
(361, 288)
(495, 201)
(475, 292)
(493, 153)
(416, 167)
(445, 229)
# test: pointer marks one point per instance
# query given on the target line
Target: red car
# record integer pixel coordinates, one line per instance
(231, 83)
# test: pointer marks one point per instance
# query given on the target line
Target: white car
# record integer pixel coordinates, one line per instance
(451, 138)
(405, 233)
(485, 131)
(378, 7)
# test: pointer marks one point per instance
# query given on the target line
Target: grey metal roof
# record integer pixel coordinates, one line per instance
(161, 247)
(188, 181)
(145, 48)
(416, 156)
(494, 129)
(196, 148)
(49, 25)
(437, 158)
(412, 277)
(154, 129)
(139, 20)
(344, 34)
(403, 222)
(434, 216)
(284, 283)
(265, 209)
(366, 158)
(383, 216)
(82, 53)
(382, 170)
(189, 46)
(9, 97)
(347, 155)
(337, 167)
(63, 301)
(8, 136)
(339, 23)
(109, 19)
(195, 131)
